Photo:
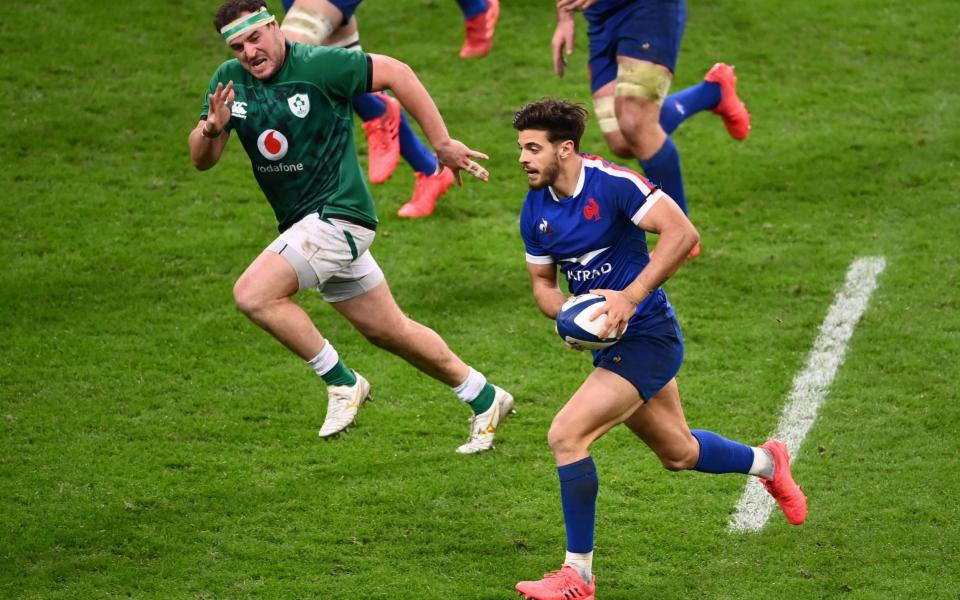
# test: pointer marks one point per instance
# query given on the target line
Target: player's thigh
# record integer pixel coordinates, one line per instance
(603, 401)
(337, 11)
(268, 277)
(374, 312)
(661, 424)
(314, 21)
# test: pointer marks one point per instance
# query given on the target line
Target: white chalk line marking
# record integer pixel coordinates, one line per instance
(812, 384)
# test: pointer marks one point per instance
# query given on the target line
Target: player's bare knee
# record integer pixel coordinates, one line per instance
(678, 458)
(244, 297)
(561, 441)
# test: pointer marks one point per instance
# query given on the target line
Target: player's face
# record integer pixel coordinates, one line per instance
(539, 158)
(260, 51)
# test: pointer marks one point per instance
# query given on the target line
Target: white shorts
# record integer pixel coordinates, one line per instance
(331, 255)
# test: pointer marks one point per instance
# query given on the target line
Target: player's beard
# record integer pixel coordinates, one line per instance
(548, 175)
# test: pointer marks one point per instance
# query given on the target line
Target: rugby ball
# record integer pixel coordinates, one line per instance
(574, 324)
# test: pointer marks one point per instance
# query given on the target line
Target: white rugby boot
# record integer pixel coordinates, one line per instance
(483, 427)
(343, 402)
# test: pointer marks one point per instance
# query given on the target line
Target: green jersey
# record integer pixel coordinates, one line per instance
(297, 129)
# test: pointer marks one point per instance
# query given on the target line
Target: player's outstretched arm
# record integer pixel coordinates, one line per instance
(208, 138)
(561, 45)
(391, 73)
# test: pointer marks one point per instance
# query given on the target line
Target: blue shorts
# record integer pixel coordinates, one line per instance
(648, 30)
(347, 7)
(649, 359)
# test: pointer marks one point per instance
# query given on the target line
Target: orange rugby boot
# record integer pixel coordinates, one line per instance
(479, 32)
(427, 191)
(565, 584)
(782, 487)
(383, 140)
(734, 113)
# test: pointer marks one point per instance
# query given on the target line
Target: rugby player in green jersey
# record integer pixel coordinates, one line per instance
(289, 104)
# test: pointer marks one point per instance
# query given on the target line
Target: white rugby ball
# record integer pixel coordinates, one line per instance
(574, 324)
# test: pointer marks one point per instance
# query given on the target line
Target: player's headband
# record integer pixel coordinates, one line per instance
(238, 27)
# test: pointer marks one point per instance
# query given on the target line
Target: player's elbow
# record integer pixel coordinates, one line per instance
(201, 162)
(692, 236)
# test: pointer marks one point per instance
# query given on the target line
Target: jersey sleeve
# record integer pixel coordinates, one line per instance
(636, 195)
(340, 72)
(536, 254)
(205, 109)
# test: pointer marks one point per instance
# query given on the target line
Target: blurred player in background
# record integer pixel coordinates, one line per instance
(480, 20)
(290, 106)
(389, 134)
(633, 55)
(588, 217)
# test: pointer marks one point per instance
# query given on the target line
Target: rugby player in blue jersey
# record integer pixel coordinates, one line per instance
(633, 55)
(588, 218)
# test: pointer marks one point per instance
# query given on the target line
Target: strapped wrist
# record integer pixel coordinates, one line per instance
(209, 136)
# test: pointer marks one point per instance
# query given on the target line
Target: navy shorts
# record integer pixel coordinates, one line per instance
(649, 359)
(648, 30)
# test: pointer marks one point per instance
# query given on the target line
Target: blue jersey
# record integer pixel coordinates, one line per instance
(593, 236)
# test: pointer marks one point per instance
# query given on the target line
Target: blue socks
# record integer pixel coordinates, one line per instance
(578, 493)
(414, 151)
(679, 107)
(720, 455)
(472, 8)
(663, 169)
(368, 106)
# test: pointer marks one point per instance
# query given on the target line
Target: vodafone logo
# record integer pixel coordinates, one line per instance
(273, 145)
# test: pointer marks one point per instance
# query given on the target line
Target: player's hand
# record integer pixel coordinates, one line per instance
(575, 5)
(219, 113)
(571, 345)
(457, 156)
(561, 45)
(619, 307)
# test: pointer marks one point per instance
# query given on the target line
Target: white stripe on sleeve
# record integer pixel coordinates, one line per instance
(651, 200)
(539, 260)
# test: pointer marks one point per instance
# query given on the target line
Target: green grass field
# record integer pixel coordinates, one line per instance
(155, 444)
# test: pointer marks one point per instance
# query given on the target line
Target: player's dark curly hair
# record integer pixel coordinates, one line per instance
(561, 120)
(231, 9)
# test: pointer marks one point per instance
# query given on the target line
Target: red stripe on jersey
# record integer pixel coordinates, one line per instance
(610, 165)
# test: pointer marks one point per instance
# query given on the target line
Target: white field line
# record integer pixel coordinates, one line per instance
(811, 385)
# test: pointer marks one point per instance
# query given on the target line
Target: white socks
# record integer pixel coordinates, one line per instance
(582, 562)
(762, 463)
(471, 388)
(326, 360)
